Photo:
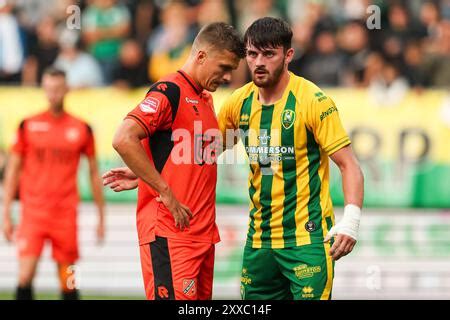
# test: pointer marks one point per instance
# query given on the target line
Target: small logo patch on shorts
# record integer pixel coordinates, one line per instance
(189, 287)
(307, 292)
(163, 293)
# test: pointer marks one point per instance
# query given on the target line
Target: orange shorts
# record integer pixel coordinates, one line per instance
(32, 236)
(177, 270)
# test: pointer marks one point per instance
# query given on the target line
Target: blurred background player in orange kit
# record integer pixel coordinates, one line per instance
(43, 165)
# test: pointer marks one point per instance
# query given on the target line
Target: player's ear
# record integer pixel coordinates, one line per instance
(289, 55)
(201, 57)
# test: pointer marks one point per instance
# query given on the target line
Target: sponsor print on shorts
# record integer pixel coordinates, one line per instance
(304, 271)
(245, 279)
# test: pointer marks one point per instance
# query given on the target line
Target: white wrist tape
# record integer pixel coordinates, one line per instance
(349, 223)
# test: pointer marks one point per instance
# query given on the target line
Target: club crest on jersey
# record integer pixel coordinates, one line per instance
(149, 105)
(189, 287)
(72, 134)
(287, 119)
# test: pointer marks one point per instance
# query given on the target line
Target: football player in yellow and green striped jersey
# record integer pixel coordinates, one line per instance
(289, 128)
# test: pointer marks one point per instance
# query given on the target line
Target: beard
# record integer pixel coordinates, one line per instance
(271, 79)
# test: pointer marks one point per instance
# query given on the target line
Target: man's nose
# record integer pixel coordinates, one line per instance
(259, 61)
(227, 77)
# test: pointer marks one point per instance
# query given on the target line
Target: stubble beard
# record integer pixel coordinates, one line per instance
(272, 79)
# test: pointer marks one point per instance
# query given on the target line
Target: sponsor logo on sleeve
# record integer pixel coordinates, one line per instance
(149, 105)
(328, 112)
(320, 96)
(162, 87)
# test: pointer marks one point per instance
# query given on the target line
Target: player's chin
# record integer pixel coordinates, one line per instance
(212, 87)
(262, 83)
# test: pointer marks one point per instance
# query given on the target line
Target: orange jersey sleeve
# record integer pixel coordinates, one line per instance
(88, 148)
(153, 113)
(20, 146)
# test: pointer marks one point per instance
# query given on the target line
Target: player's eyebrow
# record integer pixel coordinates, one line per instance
(226, 67)
(263, 51)
(268, 50)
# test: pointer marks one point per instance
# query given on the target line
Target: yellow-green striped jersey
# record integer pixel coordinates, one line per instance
(288, 144)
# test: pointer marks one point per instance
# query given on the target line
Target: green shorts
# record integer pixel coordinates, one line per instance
(300, 273)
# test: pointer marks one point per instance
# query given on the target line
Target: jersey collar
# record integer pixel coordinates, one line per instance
(191, 82)
(50, 116)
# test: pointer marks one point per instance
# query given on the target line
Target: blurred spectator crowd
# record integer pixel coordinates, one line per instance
(132, 43)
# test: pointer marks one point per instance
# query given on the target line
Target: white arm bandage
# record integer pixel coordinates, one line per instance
(349, 223)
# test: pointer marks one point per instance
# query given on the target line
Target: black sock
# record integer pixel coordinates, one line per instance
(71, 295)
(24, 293)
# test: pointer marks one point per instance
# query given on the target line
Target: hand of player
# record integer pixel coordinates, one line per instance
(180, 212)
(346, 232)
(120, 179)
(8, 229)
(342, 245)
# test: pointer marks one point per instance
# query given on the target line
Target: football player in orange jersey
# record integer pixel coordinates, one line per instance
(43, 165)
